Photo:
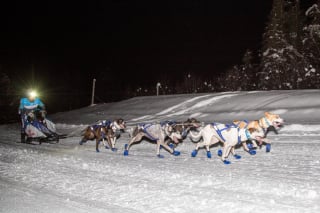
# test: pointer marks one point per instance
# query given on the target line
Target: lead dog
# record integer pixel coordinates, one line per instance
(270, 122)
(159, 133)
(229, 135)
(105, 131)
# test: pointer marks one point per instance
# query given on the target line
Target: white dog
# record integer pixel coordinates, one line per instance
(229, 135)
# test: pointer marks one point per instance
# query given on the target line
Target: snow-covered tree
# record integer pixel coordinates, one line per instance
(240, 77)
(311, 47)
(281, 62)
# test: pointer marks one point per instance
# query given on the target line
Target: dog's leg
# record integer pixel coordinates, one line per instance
(245, 147)
(167, 147)
(225, 153)
(135, 139)
(105, 142)
(86, 136)
(108, 144)
(158, 148)
(208, 151)
(83, 140)
(249, 147)
(236, 156)
(113, 143)
(268, 144)
(198, 146)
(97, 144)
(254, 143)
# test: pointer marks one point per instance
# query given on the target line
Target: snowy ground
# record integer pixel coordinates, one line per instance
(67, 177)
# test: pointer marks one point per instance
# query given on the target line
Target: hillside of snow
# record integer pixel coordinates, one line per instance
(68, 177)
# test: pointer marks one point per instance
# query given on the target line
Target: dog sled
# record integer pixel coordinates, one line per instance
(38, 128)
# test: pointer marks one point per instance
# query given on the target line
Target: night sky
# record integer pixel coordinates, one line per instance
(64, 44)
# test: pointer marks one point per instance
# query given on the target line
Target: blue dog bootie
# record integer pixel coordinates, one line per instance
(209, 154)
(126, 152)
(268, 147)
(194, 153)
(176, 153)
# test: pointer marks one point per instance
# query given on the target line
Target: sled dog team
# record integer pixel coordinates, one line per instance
(168, 134)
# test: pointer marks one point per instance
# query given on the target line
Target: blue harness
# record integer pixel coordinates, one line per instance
(227, 126)
(145, 127)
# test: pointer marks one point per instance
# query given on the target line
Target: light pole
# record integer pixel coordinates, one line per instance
(158, 86)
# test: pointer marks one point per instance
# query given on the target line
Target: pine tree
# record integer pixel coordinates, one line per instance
(273, 43)
(311, 48)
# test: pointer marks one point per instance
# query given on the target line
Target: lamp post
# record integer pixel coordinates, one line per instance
(158, 86)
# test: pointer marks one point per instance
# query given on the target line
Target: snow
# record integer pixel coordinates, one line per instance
(67, 177)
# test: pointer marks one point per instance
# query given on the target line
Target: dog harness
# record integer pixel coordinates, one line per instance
(144, 127)
(227, 126)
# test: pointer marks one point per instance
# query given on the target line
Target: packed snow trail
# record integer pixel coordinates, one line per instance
(75, 178)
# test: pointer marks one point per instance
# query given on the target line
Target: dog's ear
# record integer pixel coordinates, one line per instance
(267, 114)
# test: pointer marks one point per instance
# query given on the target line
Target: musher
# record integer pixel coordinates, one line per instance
(28, 104)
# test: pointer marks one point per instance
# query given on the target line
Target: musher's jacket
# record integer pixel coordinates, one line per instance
(26, 104)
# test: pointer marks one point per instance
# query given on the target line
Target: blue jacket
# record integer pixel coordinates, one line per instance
(26, 104)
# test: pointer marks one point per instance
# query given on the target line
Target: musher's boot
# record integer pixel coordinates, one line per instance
(23, 138)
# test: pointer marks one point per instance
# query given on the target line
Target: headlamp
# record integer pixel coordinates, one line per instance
(33, 94)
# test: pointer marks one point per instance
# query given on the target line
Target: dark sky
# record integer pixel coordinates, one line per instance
(64, 44)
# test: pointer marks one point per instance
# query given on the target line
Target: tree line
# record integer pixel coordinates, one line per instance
(288, 59)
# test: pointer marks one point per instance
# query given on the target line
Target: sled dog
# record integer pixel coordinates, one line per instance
(105, 131)
(158, 133)
(270, 122)
(229, 135)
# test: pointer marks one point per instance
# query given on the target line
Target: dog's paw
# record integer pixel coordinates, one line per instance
(176, 153)
(252, 152)
(219, 152)
(171, 145)
(160, 156)
(208, 154)
(250, 145)
(194, 153)
(268, 147)
(237, 156)
(97, 150)
(226, 162)
(126, 153)
(106, 147)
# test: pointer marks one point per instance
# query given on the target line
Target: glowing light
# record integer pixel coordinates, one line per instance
(33, 94)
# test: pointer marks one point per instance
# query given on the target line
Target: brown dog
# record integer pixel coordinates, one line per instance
(104, 131)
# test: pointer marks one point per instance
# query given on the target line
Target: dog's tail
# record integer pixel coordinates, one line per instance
(195, 136)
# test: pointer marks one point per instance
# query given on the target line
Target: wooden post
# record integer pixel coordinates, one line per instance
(93, 88)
